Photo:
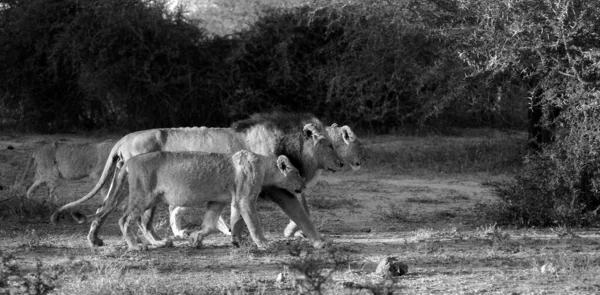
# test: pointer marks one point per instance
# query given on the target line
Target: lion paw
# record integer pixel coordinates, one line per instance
(136, 248)
(289, 231)
(265, 245)
(195, 240)
(96, 241)
(320, 244)
(299, 234)
(164, 243)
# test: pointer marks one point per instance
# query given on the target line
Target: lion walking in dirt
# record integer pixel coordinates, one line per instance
(68, 161)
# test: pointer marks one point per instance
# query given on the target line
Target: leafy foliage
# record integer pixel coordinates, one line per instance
(136, 64)
(553, 45)
(125, 63)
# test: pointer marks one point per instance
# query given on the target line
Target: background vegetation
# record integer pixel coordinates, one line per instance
(378, 65)
(138, 64)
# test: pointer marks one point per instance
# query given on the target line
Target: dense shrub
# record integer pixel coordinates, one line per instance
(135, 64)
(554, 46)
(71, 64)
(371, 63)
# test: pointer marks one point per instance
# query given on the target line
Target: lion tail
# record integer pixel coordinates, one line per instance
(108, 167)
(112, 201)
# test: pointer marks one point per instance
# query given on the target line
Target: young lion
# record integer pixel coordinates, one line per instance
(192, 179)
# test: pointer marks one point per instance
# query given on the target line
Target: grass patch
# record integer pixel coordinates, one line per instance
(394, 213)
(16, 207)
(425, 200)
(329, 202)
(496, 152)
(13, 280)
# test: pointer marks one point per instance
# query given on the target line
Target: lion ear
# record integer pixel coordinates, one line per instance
(347, 134)
(283, 164)
(334, 125)
(310, 130)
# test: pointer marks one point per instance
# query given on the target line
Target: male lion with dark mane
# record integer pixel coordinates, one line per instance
(300, 137)
(69, 161)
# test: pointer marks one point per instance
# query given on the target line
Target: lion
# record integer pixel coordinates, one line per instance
(195, 178)
(69, 161)
(300, 137)
(346, 144)
(349, 147)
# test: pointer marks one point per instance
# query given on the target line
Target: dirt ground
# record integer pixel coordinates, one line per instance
(426, 220)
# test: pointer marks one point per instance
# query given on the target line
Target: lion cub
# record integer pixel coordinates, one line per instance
(189, 179)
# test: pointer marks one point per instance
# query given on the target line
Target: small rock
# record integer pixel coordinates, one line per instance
(390, 266)
(280, 278)
(548, 268)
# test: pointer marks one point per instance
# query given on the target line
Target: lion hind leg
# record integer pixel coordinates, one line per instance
(34, 187)
(92, 237)
(212, 214)
(175, 215)
(222, 226)
(147, 228)
(126, 223)
(52, 192)
(237, 225)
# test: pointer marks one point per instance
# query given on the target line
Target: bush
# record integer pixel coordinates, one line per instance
(136, 64)
(560, 185)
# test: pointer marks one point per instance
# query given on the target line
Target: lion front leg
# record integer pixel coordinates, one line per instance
(247, 208)
(292, 228)
(33, 188)
(293, 209)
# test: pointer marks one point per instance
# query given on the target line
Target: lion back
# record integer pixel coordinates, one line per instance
(76, 160)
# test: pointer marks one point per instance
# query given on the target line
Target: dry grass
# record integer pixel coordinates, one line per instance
(475, 151)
